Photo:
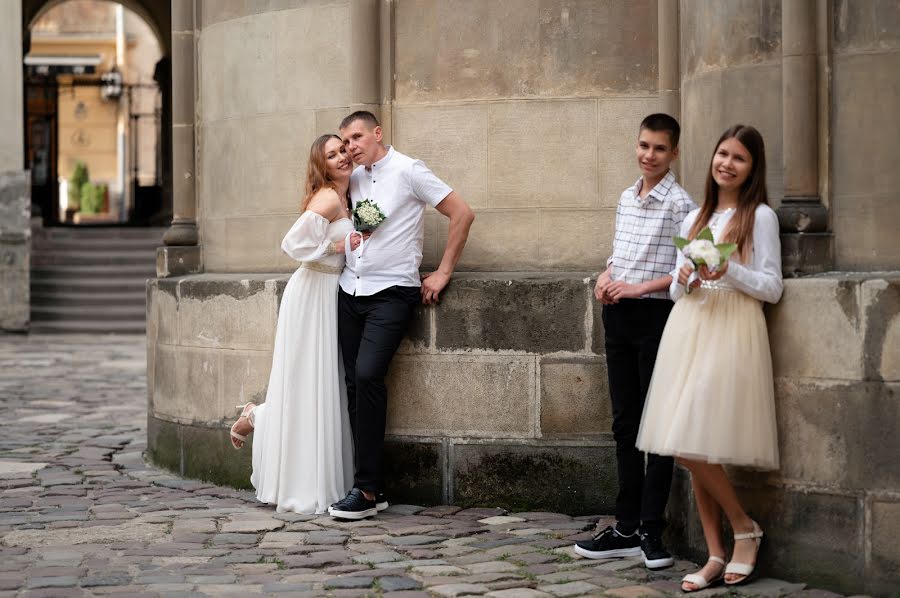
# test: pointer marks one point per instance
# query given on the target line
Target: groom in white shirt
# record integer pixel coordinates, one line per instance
(380, 287)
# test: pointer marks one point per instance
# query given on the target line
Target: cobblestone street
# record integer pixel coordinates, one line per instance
(82, 514)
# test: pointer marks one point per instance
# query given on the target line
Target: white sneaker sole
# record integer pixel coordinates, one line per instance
(354, 515)
(608, 554)
(381, 506)
(657, 563)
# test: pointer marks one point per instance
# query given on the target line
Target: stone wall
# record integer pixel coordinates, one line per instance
(504, 402)
(15, 251)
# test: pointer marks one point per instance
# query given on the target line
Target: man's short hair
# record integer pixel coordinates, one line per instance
(363, 115)
(661, 122)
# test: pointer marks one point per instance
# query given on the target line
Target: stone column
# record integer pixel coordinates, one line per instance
(365, 59)
(669, 67)
(181, 255)
(806, 243)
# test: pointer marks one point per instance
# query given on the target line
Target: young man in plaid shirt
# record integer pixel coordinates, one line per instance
(634, 292)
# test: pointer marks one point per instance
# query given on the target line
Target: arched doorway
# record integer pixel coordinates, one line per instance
(97, 117)
(96, 88)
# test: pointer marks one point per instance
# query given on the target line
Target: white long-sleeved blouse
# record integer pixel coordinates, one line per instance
(761, 276)
(310, 236)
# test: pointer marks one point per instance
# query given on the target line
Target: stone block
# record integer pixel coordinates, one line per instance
(885, 562)
(573, 479)
(499, 242)
(838, 435)
(15, 205)
(564, 172)
(728, 34)
(539, 314)
(430, 397)
(453, 50)
(618, 128)
(306, 75)
(869, 26)
(188, 383)
(815, 331)
(881, 306)
(863, 230)
(178, 261)
(558, 228)
(227, 311)
(574, 397)
(453, 143)
(414, 471)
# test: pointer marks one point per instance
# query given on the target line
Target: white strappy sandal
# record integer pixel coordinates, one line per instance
(743, 568)
(246, 411)
(700, 581)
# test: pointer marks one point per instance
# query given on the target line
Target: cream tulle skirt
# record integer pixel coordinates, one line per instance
(712, 396)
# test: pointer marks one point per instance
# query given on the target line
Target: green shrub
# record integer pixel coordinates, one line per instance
(78, 179)
(92, 198)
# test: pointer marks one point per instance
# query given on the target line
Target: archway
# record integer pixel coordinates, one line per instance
(97, 97)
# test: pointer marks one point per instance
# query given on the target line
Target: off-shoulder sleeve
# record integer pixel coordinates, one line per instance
(307, 241)
(676, 291)
(761, 279)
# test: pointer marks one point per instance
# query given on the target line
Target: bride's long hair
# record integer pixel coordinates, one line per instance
(317, 175)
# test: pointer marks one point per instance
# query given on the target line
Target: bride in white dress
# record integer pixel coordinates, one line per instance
(302, 453)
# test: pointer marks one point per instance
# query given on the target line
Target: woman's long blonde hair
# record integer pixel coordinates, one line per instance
(752, 193)
(317, 170)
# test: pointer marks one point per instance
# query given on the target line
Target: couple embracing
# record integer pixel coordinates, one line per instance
(343, 315)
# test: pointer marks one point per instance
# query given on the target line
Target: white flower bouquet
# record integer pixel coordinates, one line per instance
(367, 215)
(703, 251)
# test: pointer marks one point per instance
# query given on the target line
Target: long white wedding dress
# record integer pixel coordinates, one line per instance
(302, 448)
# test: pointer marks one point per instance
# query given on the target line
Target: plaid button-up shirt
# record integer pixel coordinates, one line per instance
(643, 249)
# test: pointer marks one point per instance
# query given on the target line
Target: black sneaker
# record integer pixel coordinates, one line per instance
(381, 503)
(655, 554)
(354, 506)
(609, 544)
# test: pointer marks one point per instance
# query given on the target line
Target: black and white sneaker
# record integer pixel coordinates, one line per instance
(655, 554)
(354, 506)
(609, 544)
(381, 503)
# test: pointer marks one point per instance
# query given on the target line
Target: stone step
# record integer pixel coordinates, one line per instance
(56, 256)
(129, 284)
(101, 245)
(90, 327)
(100, 233)
(97, 314)
(53, 296)
(112, 271)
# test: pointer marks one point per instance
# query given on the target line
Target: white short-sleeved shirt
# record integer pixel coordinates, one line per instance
(401, 186)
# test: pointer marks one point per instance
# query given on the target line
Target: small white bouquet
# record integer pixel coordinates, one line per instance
(703, 251)
(367, 215)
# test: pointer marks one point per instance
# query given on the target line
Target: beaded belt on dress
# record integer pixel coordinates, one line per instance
(716, 285)
(320, 267)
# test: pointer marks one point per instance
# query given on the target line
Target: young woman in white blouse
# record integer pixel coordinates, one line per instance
(302, 454)
(711, 400)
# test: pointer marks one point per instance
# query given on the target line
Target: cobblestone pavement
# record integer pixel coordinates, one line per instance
(82, 514)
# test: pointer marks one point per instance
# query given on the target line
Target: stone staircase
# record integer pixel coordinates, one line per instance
(91, 279)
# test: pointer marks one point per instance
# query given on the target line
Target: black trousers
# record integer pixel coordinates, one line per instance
(633, 329)
(370, 330)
